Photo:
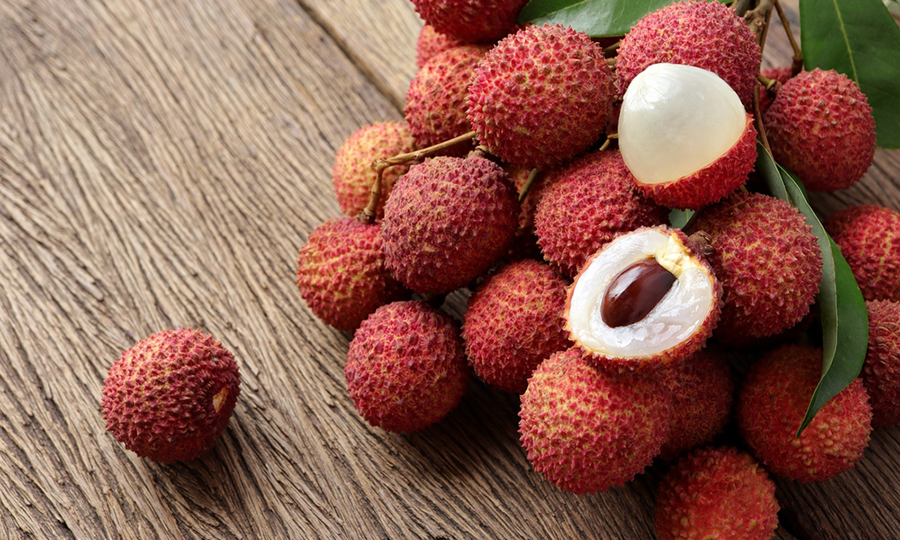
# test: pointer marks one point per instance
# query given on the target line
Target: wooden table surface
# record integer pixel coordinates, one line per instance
(161, 161)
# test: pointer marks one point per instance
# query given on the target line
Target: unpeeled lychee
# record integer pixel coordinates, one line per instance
(541, 96)
(353, 174)
(448, 221)
(514, 322)
(772, 402)
(431, 42)
(708, 35)
(585, 204)
(169, 397)
(881, 371)
(585, 430)
(869, 239)
(780, 75)
(471, 20)
(405, 367)
(820, 126)
(341, 273)
(716, 493)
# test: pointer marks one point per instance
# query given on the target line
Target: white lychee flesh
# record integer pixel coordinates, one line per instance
(676, 120)
(678, 315)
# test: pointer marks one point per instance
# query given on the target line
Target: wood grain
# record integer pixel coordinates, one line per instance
(161, 161)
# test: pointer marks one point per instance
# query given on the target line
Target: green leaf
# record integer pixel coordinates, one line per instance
(679, 218)
(597, 18)
(860, 39)
(768, 169)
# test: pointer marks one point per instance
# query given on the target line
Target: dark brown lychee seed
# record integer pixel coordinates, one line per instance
(634, 292)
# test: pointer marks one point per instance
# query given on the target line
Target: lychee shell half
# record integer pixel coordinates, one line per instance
(772, 402)
(169, 397)
(881, 370)
(405, 367)
(869, 239)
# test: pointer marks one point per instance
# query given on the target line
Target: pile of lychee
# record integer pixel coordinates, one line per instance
(551, 207)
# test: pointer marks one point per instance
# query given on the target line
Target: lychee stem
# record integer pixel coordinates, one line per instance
(532, 177)
(757, 18)
(757, 117)
(797, 63)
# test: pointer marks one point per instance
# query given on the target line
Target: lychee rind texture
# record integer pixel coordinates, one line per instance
(471, 20)
(353, 175)
(436, 99)
(514, 322)
(716, 493)
(881, 370)
(772, 402)
(541, 96)
(768, 262)
(586, 431)
(820, 126)
(342, 275)
(405, 367)
(869, 239)
(585, 204)
(447, 222)
(170, 396)
(431, 42)
(704, 34)
(702, 389)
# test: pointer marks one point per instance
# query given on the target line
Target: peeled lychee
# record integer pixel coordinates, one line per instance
(685, 136)
(405, 367)
(869, 238)
(353, 174)
(881, 371)
(585, 204)
(586, 430)
(767, 260)
(169, 397)
(716, 493)
(514, 322)
(708, 35)
(541, 96)
(436, 100)
(646, 301)
(471, 20)
(432, 42)
(772, 402)
(448, 221)
(820, 126)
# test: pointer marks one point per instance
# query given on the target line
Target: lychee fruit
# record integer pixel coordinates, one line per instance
(772, 402)
(881, 371)
(341, 273)
(541, 96)
(436, 100)
(432, 42)
(716, 493)
(353, 174)
(405, 367)
(869, 239)
(169, 397)
(820, 126)
(685, 136)
(707, 35)
(585, 430)
(647, 300)
(514, 322)
(768, 261)
(447, 222)
(471, 21)
(585, 204)
(702, 389)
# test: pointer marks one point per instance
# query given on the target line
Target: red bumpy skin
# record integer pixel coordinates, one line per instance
(716, 493)
(448, 220)
(353, 174)
(514, 322)
(341, 273)
(472, 21)
(869, 238)
(169, 397)
(541, 96)
(881, 371)
(405, 367)
(772, 403)
(586, 430)
(706, 35)
(585, 204)
(432, 42)
(820, 126)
